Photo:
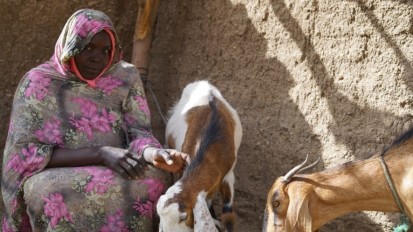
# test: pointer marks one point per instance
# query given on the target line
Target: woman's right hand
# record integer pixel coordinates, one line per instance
(123, 162)
(169, 160)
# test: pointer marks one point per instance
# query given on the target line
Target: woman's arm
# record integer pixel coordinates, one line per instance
(138, 126)
(64, 157)
(120, 160)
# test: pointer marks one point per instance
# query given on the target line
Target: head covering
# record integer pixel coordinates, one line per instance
(76, 34)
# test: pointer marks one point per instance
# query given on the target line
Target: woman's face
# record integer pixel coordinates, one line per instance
(95, 56)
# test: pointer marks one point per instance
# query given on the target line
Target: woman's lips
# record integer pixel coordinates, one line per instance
(90, 72)
(93, 70)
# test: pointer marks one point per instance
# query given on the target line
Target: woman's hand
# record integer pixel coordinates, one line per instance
(169, 160)
(123, 162)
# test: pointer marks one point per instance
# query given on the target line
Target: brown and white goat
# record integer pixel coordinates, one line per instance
(303, 203)
(203, 125)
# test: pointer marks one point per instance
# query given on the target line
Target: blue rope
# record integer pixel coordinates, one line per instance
(404, 225)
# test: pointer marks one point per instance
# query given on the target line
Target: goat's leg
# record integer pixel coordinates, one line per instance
(227, 194)
(213, 214)
(211, 209)
(202, 217)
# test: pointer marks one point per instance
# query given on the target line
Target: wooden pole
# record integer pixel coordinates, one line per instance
(142, 39)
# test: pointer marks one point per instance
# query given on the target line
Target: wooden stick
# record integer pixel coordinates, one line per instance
(142, 39)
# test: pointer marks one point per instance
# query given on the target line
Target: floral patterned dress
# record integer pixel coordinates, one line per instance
(53, 108)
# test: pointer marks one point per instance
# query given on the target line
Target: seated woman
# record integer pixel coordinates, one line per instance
(80, 139)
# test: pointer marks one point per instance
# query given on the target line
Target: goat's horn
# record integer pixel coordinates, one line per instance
(299, 168)
(310, 165)
(291, 173)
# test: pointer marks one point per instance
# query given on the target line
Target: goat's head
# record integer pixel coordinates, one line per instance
(173, 215)
(287, 204)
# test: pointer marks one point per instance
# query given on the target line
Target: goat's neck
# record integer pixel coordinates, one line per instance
(355, 186)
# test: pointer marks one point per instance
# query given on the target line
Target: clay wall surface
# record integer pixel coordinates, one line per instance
(324, 78)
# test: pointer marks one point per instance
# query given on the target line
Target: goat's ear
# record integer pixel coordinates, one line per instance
(182, 217)
(298, 215)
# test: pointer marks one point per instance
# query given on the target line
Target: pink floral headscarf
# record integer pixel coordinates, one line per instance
(77, 33)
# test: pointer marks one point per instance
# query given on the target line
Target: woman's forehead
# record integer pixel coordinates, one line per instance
(101, 38)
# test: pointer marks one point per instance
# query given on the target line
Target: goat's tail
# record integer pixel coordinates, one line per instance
(211, 133)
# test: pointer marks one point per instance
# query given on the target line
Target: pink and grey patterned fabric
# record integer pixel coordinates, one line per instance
(53, 108)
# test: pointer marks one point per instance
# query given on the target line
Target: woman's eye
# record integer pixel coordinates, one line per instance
(107, 51)
(88, 48)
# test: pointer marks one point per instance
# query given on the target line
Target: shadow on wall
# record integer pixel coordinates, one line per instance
(338, 104)
(367, 10)
(364, 121)
(217, 41)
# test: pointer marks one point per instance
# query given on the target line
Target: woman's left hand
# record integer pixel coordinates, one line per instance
(127, 164)
(169, 160)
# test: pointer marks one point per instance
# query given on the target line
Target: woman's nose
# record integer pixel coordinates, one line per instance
(98, 56)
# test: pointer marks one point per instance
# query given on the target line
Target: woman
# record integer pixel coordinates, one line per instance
(79, 139)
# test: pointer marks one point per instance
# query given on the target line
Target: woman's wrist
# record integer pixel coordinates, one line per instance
(101, 154)
(148, 153)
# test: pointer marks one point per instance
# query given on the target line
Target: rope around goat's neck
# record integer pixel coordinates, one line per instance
(405, 223)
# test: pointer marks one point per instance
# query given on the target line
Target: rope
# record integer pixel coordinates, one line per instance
(404, 224)
(157, 104)
(146, 82)
(404, 220)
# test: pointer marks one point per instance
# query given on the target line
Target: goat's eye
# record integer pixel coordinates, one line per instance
(275, 204)
(183, 217)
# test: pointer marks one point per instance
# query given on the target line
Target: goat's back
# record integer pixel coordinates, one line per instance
(194, 104)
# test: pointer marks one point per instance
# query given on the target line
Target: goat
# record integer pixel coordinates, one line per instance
(304, 203)
(203, 125)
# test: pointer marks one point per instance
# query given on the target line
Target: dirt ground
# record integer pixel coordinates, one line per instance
(324, 78)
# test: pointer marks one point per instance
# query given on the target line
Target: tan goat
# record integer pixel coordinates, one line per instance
(303, 203)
